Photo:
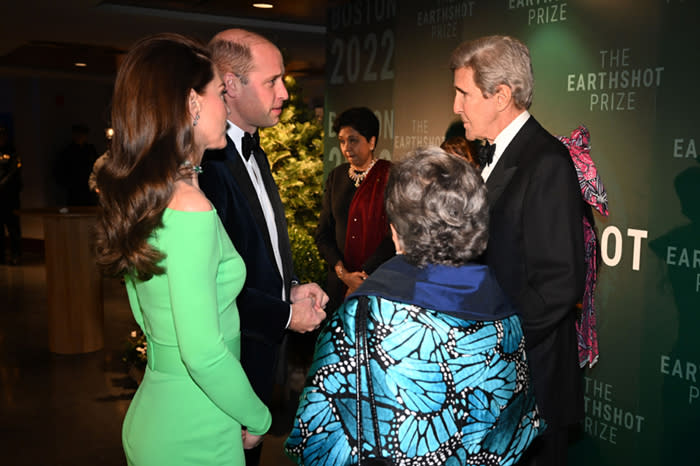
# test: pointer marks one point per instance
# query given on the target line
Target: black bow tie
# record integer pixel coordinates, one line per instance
(485, 153)
(251, 142)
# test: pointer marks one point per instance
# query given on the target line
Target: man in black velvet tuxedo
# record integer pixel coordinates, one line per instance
(239, 184)
(536, 246)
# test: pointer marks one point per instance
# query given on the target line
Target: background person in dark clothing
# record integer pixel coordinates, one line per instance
(73, 168)
(10, 187)
(353, 231)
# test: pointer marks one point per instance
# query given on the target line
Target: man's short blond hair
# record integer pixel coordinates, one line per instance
(231, 51)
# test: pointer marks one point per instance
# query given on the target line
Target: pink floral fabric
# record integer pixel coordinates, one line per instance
(594, 194)
(591, 185)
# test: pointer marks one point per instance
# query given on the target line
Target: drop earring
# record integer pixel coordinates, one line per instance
(196, 120)
(188, 165)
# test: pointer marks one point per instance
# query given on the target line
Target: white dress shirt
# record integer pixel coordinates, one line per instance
(236, 135)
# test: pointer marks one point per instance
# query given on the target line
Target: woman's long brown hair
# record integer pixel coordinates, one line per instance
(153, 136)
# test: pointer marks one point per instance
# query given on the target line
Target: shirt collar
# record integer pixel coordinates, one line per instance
(503, 139)
(236, 135)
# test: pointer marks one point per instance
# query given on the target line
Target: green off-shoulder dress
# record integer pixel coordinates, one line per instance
(194, 396)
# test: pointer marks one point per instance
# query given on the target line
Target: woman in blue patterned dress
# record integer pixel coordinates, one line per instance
(446, 349)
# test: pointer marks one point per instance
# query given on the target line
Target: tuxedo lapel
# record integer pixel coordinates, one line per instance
(497, 181)
(278, 209)
(270, 186)
(240, 174)
(508, 163)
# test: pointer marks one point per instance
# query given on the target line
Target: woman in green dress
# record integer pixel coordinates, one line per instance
(182, 273)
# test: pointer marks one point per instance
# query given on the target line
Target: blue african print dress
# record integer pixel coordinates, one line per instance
(448, 390)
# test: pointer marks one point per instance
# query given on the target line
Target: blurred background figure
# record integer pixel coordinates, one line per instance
(353, 232)
(92, 181)
(459, 146)
(10, 187)
(73, 168)
(99, 163)
(456, 143)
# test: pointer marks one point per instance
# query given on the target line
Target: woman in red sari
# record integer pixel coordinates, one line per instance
(353, 231)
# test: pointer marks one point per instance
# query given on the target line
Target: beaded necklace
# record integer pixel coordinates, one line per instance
(358, 176)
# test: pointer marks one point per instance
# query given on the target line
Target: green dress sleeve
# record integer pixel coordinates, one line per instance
(194, 250)
(133, 300)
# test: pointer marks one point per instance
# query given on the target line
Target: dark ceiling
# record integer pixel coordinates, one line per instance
(310, 12)
(49, 36)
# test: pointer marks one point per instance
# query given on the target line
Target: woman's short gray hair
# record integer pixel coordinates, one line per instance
(437, 204)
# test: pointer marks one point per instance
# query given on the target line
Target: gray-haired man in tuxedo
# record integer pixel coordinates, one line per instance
(536, 246)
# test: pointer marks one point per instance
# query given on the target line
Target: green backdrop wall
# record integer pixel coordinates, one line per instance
(627, 69)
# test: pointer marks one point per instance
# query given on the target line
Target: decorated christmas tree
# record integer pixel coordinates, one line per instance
(294, 148)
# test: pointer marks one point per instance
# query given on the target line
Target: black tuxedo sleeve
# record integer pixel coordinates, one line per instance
(553, 246)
